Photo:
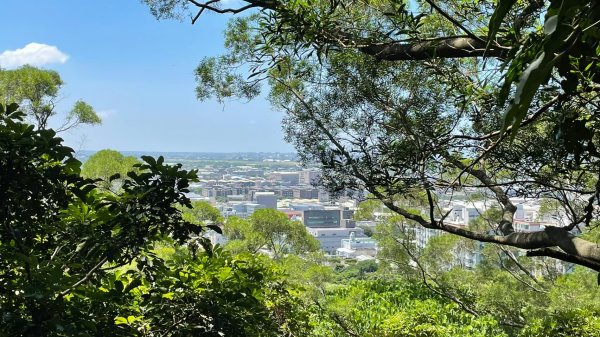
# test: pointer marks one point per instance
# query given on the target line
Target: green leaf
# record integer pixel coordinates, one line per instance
(499, 14)
(132, 285)
(119, 286)
(215, 228)
(224, 273)
(120, 320)
(550, 25)
(539, 70)
(150, 160)
(13, 107)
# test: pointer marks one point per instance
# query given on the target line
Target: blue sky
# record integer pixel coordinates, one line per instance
(137, 72)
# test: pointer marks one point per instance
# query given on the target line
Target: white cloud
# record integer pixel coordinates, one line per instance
(35, 54)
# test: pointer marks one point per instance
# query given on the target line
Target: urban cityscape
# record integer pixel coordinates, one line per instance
(300, 168)
(238, 184)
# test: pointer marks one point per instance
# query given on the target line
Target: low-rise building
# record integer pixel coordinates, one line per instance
(331, 238)
(353, 247)
(322, 218)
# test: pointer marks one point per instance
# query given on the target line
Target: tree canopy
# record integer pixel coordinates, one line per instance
(37, 92)
(270, 229)
(431, 99)
(106, 164)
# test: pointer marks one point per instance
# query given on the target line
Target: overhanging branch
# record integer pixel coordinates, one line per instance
(556, 254)
(448, 47)
(469, 45)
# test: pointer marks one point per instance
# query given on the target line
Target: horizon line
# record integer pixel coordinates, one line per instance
(208, 152)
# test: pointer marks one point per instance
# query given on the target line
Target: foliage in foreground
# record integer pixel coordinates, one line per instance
(397, 308)
(216, 294)
(79, 260)
(384, 303)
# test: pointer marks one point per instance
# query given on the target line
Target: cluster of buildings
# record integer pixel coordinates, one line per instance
(242, 190)
(329, 222)
(293, 193)
(242, 183)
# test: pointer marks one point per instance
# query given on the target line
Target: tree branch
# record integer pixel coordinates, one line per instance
(556, 254)
(509, 208)
(446, 47)
(85, 278)
(209, 5)
(454, 21)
